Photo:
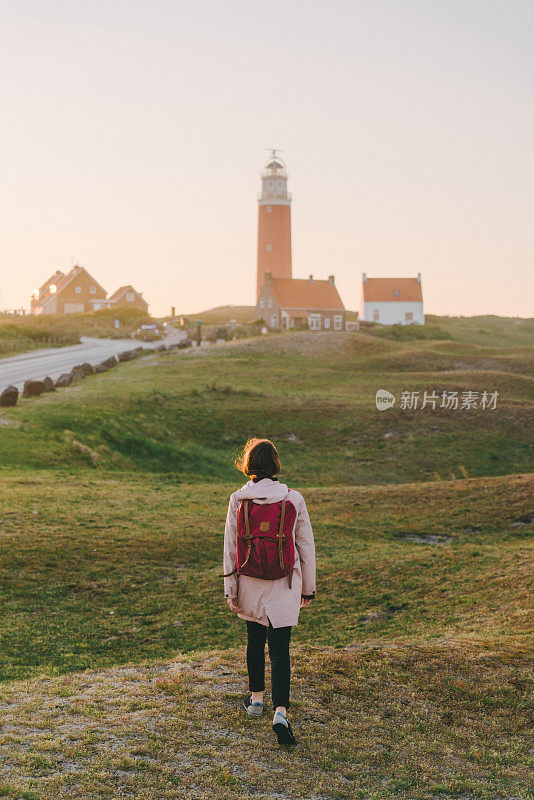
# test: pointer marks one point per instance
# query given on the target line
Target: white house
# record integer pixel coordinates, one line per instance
(392, 301)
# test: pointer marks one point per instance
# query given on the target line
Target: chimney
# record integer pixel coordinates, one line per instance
(418, 277)
(364, 276)
(310, 277)
(331, 279)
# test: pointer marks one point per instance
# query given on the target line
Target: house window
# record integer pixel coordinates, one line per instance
(270, 302)
(269, 248)
(396, 292)
(262, 303)
(130, 297)
(78, 289)
(274, 321)
(327, 322)
(93, 290)
(408, 316)
(376, 315)
(314, 322)
(338, 322)
(269, 209)
(97, 306)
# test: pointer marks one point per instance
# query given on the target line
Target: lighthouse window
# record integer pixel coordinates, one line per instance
(270, 302)
(396, 292)
(262, 303)
(269, 248)
(269, 209)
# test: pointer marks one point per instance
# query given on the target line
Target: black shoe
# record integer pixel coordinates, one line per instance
(283, 730)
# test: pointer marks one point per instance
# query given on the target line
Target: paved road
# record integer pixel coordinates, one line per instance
(37, 364)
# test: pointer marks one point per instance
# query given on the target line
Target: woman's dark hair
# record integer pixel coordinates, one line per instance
(259, 459)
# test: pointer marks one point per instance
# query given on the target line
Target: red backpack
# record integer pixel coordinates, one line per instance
(265, 547)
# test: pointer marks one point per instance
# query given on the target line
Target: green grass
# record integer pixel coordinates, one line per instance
(122, 666)
(20, 334)
(488, 330)
(313, 394)
(96, 572)
(375, 722)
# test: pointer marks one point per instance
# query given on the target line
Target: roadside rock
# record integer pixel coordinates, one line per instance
(77, 372)
(64, 380)
(33, 388)
(126, 355)
(9, 396)
(108, 363)
(88, 369)
(49, 385)
(137, 352)
(161, 348)
(524, 519)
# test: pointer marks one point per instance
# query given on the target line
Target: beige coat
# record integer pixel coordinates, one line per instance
(264, 600)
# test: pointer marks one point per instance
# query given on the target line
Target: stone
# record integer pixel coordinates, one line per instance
(101, 368)
(64, 380)
(126, 355)
(49, 385)
(33, 388)
(109, 362)
(161, 348)
(9, 396)
(77, 372)
(88, 369)
(138, 351)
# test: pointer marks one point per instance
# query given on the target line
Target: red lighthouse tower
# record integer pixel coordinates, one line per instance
(274, 223)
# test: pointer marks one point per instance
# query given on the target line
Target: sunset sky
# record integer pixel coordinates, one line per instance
(133, 134)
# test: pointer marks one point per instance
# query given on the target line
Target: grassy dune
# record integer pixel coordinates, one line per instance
(448, 720)
(121, 665)
(20, 334)
(314, 394)
(96, 571)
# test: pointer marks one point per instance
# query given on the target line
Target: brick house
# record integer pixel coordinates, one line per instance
(128, 296)
(78, 292)
(301, 303)
(67, 294)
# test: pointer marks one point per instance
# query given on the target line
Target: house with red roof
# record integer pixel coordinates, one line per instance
(128, 296)
(78, 292)
(301, 303)
(392, 301)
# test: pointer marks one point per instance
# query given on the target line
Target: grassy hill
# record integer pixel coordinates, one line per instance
(186, 415)
(121, 665)
(221, 315)
(20, 334)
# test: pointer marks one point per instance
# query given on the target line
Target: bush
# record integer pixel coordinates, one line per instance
(405, 333)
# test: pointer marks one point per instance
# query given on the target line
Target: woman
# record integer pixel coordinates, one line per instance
(270, 607)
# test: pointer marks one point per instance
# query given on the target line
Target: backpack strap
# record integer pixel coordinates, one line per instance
(247, 532)
(281, 534)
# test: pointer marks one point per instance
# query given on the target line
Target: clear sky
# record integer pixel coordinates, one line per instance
(133, 134)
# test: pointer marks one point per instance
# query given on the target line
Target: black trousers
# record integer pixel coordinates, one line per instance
(278, 642)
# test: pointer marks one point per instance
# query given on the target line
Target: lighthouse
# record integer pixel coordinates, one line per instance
(274, 223)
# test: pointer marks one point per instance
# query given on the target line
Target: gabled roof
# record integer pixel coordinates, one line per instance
(58, 274)
(62, 282)
(376, 290)
(305, 293)
(122, 290)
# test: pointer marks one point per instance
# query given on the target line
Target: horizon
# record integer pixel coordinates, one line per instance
(135, 138)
